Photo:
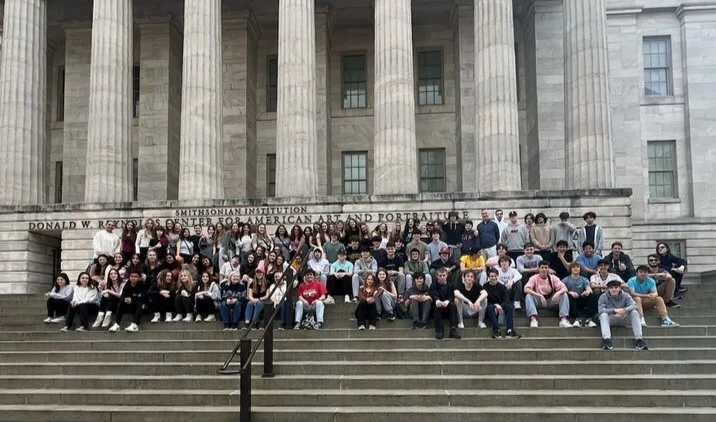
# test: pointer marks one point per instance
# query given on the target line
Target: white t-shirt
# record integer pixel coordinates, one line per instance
(508, 276)
(596, 279)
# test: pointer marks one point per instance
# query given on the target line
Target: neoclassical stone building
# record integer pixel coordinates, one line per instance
(121, 109)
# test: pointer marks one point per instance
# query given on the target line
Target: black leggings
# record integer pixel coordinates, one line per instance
(184, 305)
(205, 306)
(339, 286)
(135, 309)
(57, 307)
(85, 310)
(163, 305)
(366, 313)
(109, 304)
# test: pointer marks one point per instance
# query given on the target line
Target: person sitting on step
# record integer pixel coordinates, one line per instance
(110, 297)
(362, 267)
(387, 303)
(340, 277)
(278, 298)
(582, 301)
(134, 294)
(85, 301)
(161, 297)
(233, 301)
(369, 294)
(418, 302)
(643, 289)
(665, 283)
(617, 308)
(207, 299)
(393, 265)
(474, 262)
(443, 295)
(415, 264)
(259, 290)
(598, 282)
(445, 262)
(498, 304)
(546, 291)
(311, 294)
(511, 279)
(470, 300)
(58, 299)
(184, 297)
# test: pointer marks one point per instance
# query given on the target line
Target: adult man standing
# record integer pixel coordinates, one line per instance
(489, 235)
(515, 237)
(106, 242)
(501, 223)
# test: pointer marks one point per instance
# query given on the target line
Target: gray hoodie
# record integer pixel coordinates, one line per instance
(608, 303)
(514, 237)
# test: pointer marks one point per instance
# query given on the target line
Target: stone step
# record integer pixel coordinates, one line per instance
(375, 396)
(101, 413)
(587, 350)
(387, 382)
(640, 364)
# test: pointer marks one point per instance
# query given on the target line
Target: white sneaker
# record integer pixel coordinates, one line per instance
(577, 324)
(114, 328)
(132, 328)
(329, 300)
(107, 320)
(461, 325)
(57, 320)
(210, 318)
(157, 317)
(347, 299)
(63, 329)
(361, 327)
(177, 318)
(47, 320)
(591, 324)
(481, 325)
(198, 318)
(371, 327)
(517, 305)
(564, 324)
(534, 323)
(188, 318)
(81, 328)
(643, 321)
(98, 321)
(168, 318)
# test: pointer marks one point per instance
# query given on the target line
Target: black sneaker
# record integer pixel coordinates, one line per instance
(640, 344)
(415, 325)
(282, 326)
(512, 335)
(439, 335)
(423, 325)
(496, 334)
(672, 304)
(454, 334)
(683, 289)
(607, 344)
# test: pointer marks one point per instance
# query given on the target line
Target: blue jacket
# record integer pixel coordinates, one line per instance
(489, 234)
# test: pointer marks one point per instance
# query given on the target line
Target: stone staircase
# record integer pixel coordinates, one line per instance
(167, 372)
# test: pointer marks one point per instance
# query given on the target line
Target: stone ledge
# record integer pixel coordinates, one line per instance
(324, 200)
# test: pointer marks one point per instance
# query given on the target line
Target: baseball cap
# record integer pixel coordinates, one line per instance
(444, 249)
(513, 213)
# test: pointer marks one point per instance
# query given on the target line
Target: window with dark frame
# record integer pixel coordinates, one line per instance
(354, 81)
(355, 174)
(662, 169)
(135, 89)
(430, 78)
(60, 111)
(271, 175)
(272, 85)
(657, 66)
(432, 170)
(58, 182)
(676, 247)
(135, 179)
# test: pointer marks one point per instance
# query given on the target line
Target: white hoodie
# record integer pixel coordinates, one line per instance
(279, 293)
(83, 294)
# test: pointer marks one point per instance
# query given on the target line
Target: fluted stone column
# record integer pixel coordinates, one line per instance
(497, 135)
(109, 127)
(588, 121)
(296, 135)
(201, 160)
(395, 161)
(23, 102)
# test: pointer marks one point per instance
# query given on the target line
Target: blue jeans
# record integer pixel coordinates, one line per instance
(283, 311)
(230, 314)
(509, 314)
(253, 310)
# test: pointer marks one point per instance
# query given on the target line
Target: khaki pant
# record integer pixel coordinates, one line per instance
(649, 303)
(666, 289)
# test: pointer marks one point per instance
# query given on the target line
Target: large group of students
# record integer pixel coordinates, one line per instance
(431, 271)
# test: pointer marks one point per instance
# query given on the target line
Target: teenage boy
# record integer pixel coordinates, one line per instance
(473, 262)
(560, 259)
(643, 289)
(340, 277)
(470, 301)
(393, 264)
(468, 239)
(133, 297)
(494, 261)
(416, 265)
(591, 232)
(452, 230)
(364, 266)
(311, 294)
(489, 234)
(498, 303)
(598, 282)
(330, 249)
(436, 246)
(512, 280)
(546, 291)
(665, 283)
(515, 236)
(588, 259)
(582, 301)
(564, 231)
(619, 262)
(353, 250)
(528, 264)
(617, 308)
(448, 264)
(443, 294)
(422, 247)
(418, 301)
(377, 252)
(320, 265)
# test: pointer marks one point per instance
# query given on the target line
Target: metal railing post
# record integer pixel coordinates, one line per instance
(245, 381)
(268, 344)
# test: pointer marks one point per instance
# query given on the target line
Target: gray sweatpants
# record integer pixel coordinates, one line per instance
(463, 310)
(606, 321)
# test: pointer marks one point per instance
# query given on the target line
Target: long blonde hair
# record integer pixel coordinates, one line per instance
(188, 286)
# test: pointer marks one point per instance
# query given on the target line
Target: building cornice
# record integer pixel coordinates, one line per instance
(694, 7)
(243, 18)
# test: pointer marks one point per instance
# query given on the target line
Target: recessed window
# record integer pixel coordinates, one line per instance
(271, 175)
(272, 85)
(60, 111)
(355, 178)
(432, 170)
(58, 182)
(677, 247)
(355, 81)
(662, 169)
(430, 78)
(657, 66)
(135, 88)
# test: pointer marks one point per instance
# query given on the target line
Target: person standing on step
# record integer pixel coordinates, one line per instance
(109, 299)
(134, 293)
(617, 308)
(582, 301)
(591, 232)
(542, 236)
(59, 299)
(366, 312)
(340, 277)
(311, 294)
(436, 247)
(161, 296)
(498, 304)
(452, 230)
(443, 295)
(468, 239)
(643, 289)
(233, 301)
(546, 291)
(207, 299)
(85, 302)
(489, 235)
(515, 237)
(470, 300)
(106, 242)
(418, 301)
(564, 231)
